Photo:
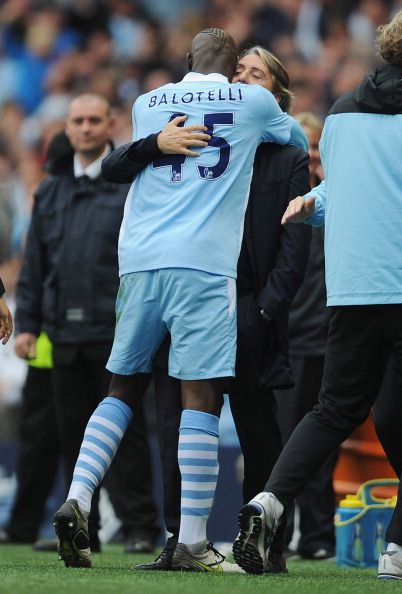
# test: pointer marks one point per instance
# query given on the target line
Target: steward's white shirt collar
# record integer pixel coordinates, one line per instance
(93, 170)
(212, 76)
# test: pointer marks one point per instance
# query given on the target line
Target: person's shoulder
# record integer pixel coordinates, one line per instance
(346, 103)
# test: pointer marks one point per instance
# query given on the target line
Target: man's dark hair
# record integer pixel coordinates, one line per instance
(213, 50)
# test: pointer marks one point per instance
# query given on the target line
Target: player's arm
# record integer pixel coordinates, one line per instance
(123, 164)
(298, 136)
(309, 208)
(278, 126)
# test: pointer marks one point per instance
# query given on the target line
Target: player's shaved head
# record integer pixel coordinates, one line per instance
(213, 50)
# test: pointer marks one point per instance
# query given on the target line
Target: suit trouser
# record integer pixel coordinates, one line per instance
(254, 411)
(38, 456)
(168, 413)
(81, 381)
(360, 342)
(316, 502)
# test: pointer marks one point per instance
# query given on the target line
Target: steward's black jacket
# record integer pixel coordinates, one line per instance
(69, 277)
(273, 257)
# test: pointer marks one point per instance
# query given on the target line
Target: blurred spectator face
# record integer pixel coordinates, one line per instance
(99, 47)
(313, 137)
(6, 164)
(252, 70)
(349, 74)
(89, 126)
(103, 83)
(42, 32)
(376, 10)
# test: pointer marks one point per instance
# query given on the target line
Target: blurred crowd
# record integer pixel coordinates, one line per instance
(52, 50)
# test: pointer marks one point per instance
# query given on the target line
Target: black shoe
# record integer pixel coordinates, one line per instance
(162, 563)
(276, 563)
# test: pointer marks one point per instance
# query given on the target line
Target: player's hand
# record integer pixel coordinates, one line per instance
(298, 210)
(6, 321)
(176, 140)
(25, 345)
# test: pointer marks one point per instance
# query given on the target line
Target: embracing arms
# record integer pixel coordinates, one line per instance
(124, 163)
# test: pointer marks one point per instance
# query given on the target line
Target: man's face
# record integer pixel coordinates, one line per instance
(251, 70)
(89, 126)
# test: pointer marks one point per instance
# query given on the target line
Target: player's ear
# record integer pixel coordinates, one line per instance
(190, 61)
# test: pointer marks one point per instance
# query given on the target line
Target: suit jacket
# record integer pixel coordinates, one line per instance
(272, 262)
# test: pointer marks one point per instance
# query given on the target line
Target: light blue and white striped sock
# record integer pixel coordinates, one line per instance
(102, 437)
(199, 467)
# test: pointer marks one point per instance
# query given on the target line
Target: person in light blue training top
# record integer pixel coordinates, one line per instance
(361, 202)
(178, 250)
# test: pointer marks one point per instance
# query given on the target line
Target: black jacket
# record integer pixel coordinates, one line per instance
(272, 261)
(380, 92)
(69, 277)
(273, 258)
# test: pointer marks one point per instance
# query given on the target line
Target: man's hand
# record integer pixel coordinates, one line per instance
(6, 321)
(298, 210)
(175, 139)
(25, 345)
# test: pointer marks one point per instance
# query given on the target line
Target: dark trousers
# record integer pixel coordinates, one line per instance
(387, 415)
(168, 413)
(254, 412)
(360, 342)
(38, 456)
(316, 501)
(80, 383)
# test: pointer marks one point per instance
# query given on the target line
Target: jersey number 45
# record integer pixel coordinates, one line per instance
(207, 172)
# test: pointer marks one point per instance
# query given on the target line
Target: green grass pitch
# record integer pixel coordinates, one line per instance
(23, 571)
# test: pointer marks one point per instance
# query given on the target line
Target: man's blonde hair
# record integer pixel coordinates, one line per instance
(389, 40)
(280, 76)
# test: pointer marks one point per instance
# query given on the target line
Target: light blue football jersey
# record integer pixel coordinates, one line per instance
(184, 212)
